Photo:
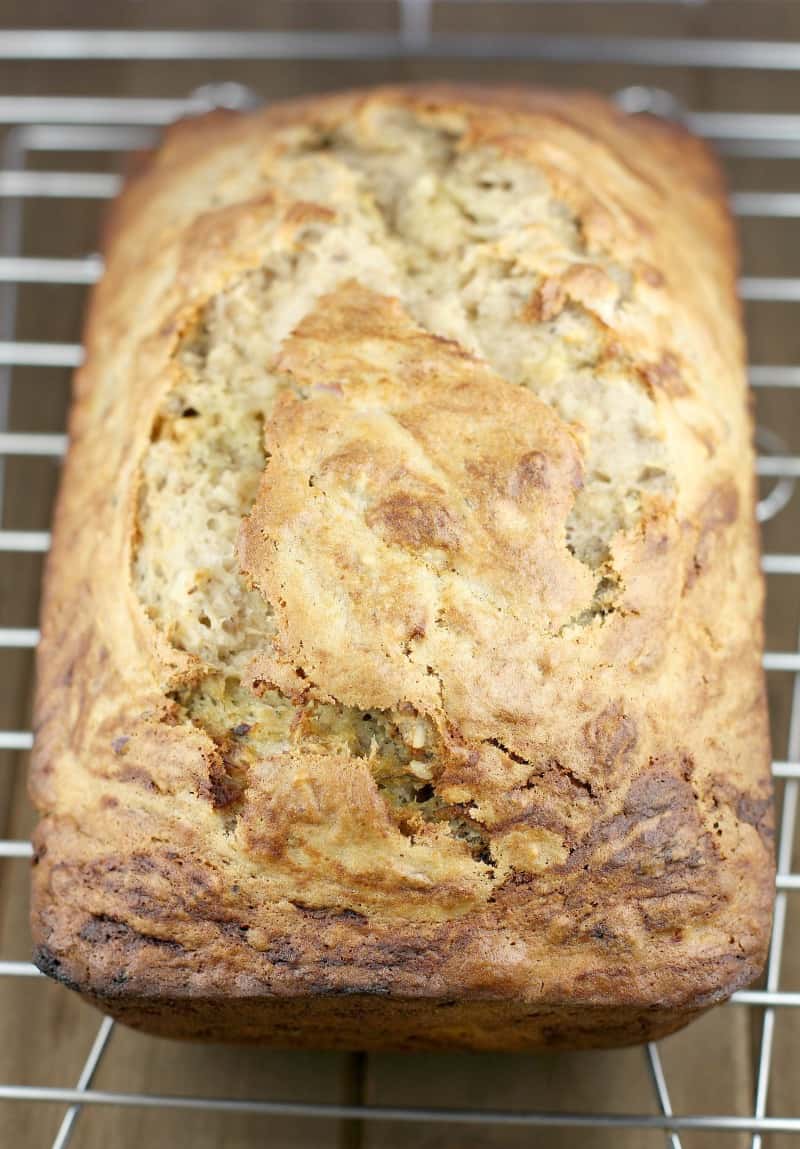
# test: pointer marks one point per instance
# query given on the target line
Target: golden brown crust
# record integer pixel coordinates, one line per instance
(615, 760)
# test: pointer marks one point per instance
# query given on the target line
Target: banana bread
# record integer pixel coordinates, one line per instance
(400, 679)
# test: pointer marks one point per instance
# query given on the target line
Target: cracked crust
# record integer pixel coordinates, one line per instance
(400, 677)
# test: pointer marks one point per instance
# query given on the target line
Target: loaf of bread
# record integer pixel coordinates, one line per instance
(400, 680)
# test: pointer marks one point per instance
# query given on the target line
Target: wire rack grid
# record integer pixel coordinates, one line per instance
(77, 129)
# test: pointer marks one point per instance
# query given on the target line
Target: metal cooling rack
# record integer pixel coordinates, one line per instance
(76, 125)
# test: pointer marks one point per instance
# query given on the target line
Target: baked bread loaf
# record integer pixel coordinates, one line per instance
(400, 682)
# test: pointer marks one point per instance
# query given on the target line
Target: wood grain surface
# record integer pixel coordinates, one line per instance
(45, 1033)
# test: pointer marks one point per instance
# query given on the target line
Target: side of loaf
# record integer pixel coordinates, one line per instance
(400, 678)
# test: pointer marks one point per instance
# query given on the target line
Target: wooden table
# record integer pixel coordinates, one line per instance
(45, 1032)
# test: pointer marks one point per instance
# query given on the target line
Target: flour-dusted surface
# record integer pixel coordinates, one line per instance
(400, 681)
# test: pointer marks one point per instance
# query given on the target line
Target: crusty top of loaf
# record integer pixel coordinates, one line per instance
(402, 630)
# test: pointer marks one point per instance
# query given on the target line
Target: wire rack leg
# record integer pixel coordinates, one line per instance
(415, 22)
(785, 847)
(660, 1086)
(99, 1046)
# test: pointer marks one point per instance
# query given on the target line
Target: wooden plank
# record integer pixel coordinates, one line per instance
(774, 335)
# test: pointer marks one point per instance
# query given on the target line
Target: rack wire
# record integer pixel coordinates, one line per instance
(48, 123)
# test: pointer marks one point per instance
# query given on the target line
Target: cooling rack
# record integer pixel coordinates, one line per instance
(61, 157)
